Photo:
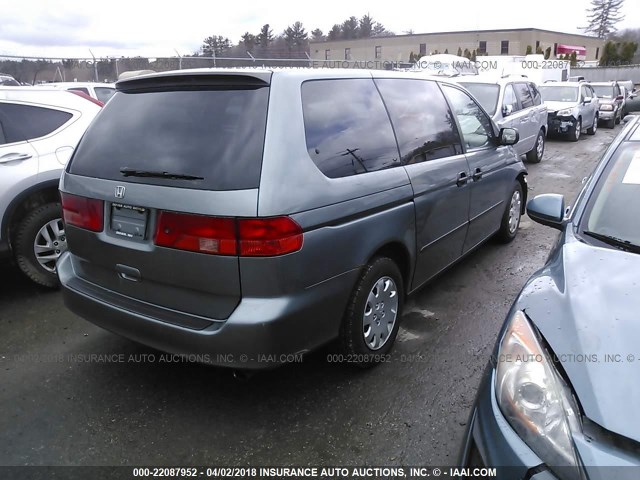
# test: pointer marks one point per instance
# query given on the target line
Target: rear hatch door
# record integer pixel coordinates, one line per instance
(182, 144)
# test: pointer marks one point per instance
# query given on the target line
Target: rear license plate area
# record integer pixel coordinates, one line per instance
(128, 221)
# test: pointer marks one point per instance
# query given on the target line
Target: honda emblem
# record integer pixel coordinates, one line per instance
(120, 191)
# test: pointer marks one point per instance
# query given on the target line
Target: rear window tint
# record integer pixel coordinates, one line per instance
(347, 128)
(215, 134)
(25, 122)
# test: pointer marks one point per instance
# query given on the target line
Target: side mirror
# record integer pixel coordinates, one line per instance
(547, 209)
(587, 100)
(507, 110)
(509, 136)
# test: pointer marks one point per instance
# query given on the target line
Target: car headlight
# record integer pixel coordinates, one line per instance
(565, 113)
(606, 108)
(534, 398)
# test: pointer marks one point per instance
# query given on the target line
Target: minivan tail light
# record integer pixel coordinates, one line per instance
(196, 233)
(265, 237)
(249, 237)
(83, 212)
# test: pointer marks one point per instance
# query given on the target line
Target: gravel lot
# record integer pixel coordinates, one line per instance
(58, 410)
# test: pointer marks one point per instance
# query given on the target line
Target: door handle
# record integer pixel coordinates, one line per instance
(15, 157)
(477, 175)
(462, 179)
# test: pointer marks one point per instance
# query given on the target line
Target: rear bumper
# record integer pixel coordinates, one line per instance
(607, 115)
(261, 333)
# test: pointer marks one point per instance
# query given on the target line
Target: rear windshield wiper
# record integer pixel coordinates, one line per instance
(132, 172)
(615, 241)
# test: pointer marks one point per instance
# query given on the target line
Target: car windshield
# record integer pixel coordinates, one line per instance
(614, 207)
(558, 93)
(603, 91)
(485, 93)
(8, 82)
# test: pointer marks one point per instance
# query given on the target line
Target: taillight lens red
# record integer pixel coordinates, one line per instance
(196, 233)
(259, 237)
(87, 213)
(265, 237)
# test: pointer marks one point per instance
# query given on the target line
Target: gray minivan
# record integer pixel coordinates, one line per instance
(243, 216)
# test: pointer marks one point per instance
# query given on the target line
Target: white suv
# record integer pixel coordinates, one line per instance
(39, 130)
(514, 102)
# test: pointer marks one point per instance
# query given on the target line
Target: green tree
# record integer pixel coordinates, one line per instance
(474, 55)
(603, 16)
(265, 37)
(573, 59)
(350, 28)
(379, 30)
(628, 51)
(335, 33)
(547, 53)
(248, 40)
(529, 50)
(215, 45)
(459, 51)
(539, 50)
(295, 36)
(446, 50)
(317, 35)
(467, 53)
(365, 26)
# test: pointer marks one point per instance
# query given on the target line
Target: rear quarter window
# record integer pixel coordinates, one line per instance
(347, 128)
(104, 93)
(26, 122)
(216, 134)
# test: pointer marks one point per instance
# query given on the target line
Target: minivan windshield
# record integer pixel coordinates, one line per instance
(485, 93)
(603, 91)
(206, 139)
(558, 93)
(614, 207)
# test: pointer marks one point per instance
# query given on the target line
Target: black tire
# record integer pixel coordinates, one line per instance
(593, 128)
(23, 244)
(618, 118)
(574, 132)
(533, 156)
(352, 341)
(506, 234)
(611, 123)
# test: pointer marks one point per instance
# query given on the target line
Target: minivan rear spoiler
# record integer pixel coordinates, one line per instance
(195, 81)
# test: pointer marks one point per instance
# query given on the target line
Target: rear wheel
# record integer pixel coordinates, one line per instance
(39, 241)
(372, 318)
(592, 130)
(511, 217)
(618, 118)
(535, 155)
(575, 131)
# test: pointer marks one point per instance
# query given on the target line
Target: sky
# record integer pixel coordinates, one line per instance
(160, 28)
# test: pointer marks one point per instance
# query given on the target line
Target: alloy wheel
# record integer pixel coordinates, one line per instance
(49, 244)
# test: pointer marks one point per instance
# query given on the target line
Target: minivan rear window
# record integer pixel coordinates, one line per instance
(215, 135)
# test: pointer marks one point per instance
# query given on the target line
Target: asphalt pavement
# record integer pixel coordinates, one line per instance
(123, 406)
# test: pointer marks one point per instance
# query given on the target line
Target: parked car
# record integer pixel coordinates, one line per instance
(514, 102)
(572, 107)
(100, 91)
(611, 102)
(559, 396)
(262, 213)
(7, 80)
(39, 130)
